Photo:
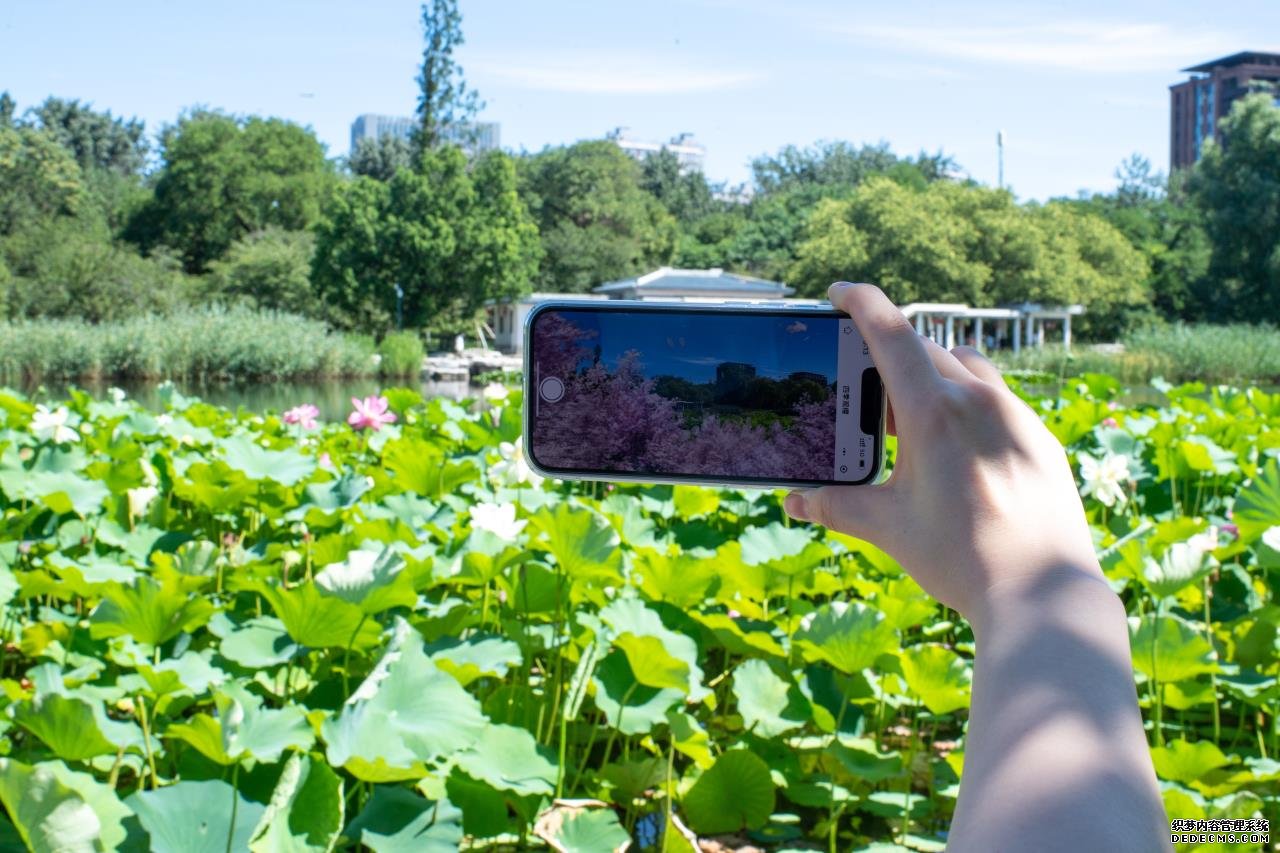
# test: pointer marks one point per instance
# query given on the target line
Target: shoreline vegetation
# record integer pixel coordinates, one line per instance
(200, 344)
(235, 345)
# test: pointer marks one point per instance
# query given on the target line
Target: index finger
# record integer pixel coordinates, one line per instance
(905, 366)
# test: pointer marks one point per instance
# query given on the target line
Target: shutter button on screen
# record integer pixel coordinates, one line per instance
(551, 389)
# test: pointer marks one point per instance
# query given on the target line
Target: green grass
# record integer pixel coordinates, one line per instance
(205, 344)
(1179, 353)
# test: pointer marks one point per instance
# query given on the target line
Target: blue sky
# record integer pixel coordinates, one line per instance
(1076, 86)
(777, 346)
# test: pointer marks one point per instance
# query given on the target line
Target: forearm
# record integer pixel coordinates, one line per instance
(1055, 756)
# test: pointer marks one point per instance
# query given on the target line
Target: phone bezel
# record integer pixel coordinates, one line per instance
(669, 307)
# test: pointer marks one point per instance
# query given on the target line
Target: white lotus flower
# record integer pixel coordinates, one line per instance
(498, 519)
(52, 425)
(1204, 543)
(140, 498)
(117, 395)
(495, 392)
(512, 470)
(1105, 478)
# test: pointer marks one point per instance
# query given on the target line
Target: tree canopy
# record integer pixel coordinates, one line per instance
(1237, 187)
(596, 220)
(448, 236)
(223, 178)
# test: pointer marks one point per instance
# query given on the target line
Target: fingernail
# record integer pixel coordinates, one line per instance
(794, 506)
(837, 287)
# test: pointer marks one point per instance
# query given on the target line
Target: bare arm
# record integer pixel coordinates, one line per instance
(982, 510)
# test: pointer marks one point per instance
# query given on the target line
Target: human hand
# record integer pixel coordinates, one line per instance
(981, 495)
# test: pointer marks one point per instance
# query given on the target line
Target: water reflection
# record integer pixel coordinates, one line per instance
(332, 398)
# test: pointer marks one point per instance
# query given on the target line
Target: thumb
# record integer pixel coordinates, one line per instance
(859, 511)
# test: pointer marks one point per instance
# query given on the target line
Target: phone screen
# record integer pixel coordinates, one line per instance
(748, 396)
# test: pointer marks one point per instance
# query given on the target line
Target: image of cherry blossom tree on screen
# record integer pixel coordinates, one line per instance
(720, 395)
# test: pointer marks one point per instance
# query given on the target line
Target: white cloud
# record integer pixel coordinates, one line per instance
(1077, 46)
(612, 74)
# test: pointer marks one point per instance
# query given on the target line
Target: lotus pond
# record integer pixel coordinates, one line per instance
(222, 631)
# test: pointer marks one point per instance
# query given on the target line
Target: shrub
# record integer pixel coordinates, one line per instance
(268, 269)
(402, 354)
(206, 344)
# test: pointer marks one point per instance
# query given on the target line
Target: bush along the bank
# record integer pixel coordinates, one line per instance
(209, 344)
(387, 631)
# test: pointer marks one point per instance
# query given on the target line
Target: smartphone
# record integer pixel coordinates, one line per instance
(718, 394)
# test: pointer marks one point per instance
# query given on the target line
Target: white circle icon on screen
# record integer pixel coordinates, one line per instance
(551, 389)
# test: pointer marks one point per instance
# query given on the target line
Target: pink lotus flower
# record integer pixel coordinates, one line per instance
(370, 413)
(326, 462)
(1109, 422)
(1231, 530)
(304, 416)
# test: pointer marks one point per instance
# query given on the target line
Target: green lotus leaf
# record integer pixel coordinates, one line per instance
(1257, 505)
(650, 663)
(689, 738)
(257, 643)
(938, 676)
(48, 813)
(207, 816)
(903, 603)
(788, 550)
(422, 468)
(286, 467)
(683, 580)
(862, 758)
(244, 729)
(339, 493)
(306, 810)
(847, 635)
(477, 656)
(72, 727)
(1186, 762)
(371, 580)
(396, 820)
(583, 543)
(406, 713)
(148, 612)
(736, 792)
(695, 501)
(630, 616)
(591, 831)
(192, 671)
(629, 706)
(315, 619)
(1170, 648)
(509, 759)
(768, 704)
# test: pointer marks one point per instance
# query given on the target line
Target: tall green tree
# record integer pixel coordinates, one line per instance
(1159, 220)
(597, 222)
(1237, 186)
(39, 179)
(951, 242)
(840, 164)
(268, 269)
(685, 193)
(223, 178)
(449, 236)
(98, 140)
(380, 158)
(444, 100)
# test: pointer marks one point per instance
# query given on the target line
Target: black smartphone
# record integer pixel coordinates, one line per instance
(720, 394)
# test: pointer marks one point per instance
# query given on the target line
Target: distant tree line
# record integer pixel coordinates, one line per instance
(99, 221)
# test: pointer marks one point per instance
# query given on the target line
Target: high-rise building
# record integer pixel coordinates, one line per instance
(689, 153)
(476, 137)
(1198, 105)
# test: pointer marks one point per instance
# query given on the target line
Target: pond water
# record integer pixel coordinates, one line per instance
(332, 398)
